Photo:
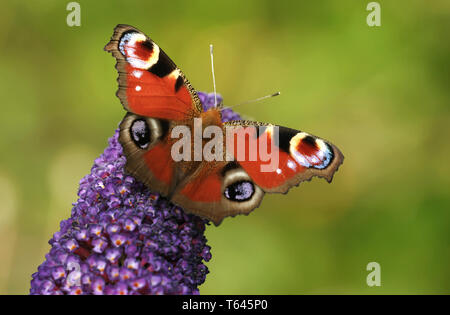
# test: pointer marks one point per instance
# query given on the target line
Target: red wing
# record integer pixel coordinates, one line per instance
(296, 156)
(148, 153)
(205, 186)
(160, 163)
(150, 84)
(217, 190)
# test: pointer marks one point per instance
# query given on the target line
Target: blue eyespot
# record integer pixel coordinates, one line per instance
(240, 191)
(140, 133)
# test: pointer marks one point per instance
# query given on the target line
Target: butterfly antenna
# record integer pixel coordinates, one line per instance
(256, 99)
(213, 76)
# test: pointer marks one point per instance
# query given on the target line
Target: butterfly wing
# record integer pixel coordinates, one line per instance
(298, 156)
(220, 189)
(156, 95)
(217, 190)
(150, 84)
(147, 147)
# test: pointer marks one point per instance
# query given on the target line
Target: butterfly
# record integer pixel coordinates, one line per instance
(159, 99)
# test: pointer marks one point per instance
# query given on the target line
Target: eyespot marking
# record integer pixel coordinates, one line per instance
(139, 51)
(240, 191)
(140, 133)
(310, 152)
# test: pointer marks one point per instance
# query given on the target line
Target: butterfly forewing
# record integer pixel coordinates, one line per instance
(150, 84)
(294, 157)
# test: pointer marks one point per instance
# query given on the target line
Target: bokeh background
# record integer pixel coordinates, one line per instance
(380, 93)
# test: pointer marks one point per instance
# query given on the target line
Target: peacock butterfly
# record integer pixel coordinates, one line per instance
(161, 105)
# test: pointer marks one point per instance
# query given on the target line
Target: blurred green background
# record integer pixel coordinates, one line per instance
(379, 93)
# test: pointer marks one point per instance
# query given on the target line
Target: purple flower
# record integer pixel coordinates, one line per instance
(122, 238)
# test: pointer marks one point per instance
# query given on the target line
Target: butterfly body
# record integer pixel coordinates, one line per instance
(220, 173)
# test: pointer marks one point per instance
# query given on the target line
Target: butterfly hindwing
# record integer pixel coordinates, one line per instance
(218, 190)
(150, 84)
(147, 149)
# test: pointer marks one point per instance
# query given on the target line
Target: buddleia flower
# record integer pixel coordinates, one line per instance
(122, 238)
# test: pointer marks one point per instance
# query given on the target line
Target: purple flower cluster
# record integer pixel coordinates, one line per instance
(122, 238)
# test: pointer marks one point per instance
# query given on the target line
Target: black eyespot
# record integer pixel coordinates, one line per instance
(240, 191)
(140, 133)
